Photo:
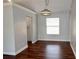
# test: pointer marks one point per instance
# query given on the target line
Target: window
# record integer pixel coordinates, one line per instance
(52, 25)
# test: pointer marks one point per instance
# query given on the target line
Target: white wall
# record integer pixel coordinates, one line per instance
(8, 30)
(20, 25)
(73, 26)
(34, 27)
(64, 27)
(15, 29)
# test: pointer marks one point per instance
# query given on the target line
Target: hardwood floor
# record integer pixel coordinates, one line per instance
(45, 50)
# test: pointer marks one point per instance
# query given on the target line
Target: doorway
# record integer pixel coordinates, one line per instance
(29, 29)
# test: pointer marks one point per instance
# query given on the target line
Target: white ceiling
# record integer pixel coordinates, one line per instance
(38, 5)
(4, 0)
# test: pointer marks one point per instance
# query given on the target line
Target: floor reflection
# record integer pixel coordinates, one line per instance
(53, 51)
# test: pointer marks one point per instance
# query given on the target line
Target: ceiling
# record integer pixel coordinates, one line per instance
(38, 5)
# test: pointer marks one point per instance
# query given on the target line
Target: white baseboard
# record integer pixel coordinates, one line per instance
(19, 51)
(15, 53)
(9, 53)
(73, 50)
(34, 41)
(53, 40)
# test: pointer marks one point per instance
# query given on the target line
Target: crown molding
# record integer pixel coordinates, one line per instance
(26, 9)
(19, 6)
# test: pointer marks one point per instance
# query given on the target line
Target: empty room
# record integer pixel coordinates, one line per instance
(39, 29)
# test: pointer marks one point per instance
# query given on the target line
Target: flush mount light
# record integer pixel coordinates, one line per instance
(46, 12)
(9, 0)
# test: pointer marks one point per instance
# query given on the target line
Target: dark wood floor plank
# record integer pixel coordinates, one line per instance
(45, 50)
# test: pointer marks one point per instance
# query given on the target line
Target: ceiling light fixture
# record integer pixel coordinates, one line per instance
(46, 12)
(9, 0)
